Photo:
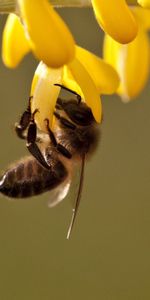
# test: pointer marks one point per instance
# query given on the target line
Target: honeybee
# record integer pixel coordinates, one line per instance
(54, 154)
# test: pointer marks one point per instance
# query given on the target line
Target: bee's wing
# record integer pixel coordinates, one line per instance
(78, 196)
(59, 193)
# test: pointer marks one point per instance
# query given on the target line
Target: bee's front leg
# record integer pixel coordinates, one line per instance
(31, 142)
(58, 146)
(24, 121)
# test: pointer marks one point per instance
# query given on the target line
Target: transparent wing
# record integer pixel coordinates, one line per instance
(78, 197)
(59, 193)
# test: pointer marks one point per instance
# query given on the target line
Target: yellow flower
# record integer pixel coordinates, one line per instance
(144, 3)
(87, 75)
(116, 19)
(131, 61)
(39, 29)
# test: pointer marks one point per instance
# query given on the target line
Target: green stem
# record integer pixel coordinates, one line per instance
(71, 3)
(8, 6)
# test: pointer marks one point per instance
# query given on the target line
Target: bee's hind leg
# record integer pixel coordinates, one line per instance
(24, 121)
(31, 142)
(58, 146)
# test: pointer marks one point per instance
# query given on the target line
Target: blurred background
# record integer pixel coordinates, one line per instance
(108, 255)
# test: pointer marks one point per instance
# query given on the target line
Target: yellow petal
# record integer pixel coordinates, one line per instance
(14, 43)
(50, 39)
(116, 19)
(89, 90)
(104, 76)
(142, 16)
(45, 93)
(132, 62)
(69, 81)
(144, 3)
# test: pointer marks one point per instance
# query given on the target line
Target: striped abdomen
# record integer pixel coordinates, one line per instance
(28, 178)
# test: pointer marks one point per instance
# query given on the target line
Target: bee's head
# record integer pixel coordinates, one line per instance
(78, 112)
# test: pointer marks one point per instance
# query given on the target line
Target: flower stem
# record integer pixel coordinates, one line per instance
(8, 6)
(71, 3)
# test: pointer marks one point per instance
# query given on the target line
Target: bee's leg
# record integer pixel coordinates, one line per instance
(58, 146)
(24, 121)
(69, 90)
(31, 142)
(64, 121)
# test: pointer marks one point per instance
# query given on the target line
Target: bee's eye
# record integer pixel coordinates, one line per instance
(81, 116)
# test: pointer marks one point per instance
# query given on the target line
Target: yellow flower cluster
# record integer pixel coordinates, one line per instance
(38, 28)
(132, 68)
(126, 31)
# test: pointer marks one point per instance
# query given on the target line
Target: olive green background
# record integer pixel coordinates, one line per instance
(108, 255)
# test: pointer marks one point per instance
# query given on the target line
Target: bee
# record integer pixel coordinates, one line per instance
(55, 154)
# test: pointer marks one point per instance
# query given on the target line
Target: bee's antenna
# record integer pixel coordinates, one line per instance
(69, 90)
(75, 209)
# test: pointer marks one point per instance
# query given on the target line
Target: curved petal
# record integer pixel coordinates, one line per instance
(87, 85)
(144, 3)
(44, 93)
(130, 63)
(14, 42)
(104, 76)
(143, 17)
(50, 39)
(69, 81)
(116, 19)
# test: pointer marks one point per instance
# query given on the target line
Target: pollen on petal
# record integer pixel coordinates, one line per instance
(104, 76)
(116, 19)
(14, 42)
(50, 38)
(131, 64)
(88, 87)
(45, 93)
